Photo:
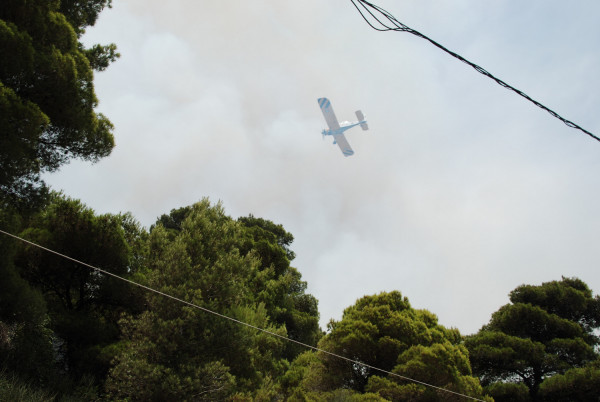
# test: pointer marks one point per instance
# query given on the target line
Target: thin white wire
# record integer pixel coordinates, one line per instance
(238, 321)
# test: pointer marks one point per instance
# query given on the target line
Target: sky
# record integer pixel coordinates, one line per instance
(460, 191)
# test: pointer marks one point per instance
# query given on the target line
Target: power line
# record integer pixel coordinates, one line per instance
(387, 22)
(235, 320)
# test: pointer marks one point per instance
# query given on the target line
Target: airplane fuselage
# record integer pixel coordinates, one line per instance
(343, 127)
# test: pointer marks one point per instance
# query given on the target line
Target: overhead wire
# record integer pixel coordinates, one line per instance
(204, 309)
(387, 22)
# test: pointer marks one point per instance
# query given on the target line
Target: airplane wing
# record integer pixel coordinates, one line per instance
(340, 139)
(330, 118)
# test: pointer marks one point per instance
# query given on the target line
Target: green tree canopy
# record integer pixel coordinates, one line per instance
(47, 97)
(384, 331)
(172, 351)
(546, 330)
(84, 305)
(82, 13)
(279, 285)
(580, 384)
(25, 340)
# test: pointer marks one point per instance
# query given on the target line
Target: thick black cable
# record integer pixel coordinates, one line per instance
(204, 309)
(395, 25)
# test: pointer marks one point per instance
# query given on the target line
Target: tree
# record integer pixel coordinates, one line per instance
(545, 331)
(384, 331)
(508, 392)
(172, 351)
(576, 385)
(47, 97)
(82, 13)
(280, 286)
(84, 305)
(25, 339)
(173, 220)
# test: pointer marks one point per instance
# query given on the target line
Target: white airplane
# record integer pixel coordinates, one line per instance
(336, 129)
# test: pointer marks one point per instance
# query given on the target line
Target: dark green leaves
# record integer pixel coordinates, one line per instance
(236, 268)
(384, 331)
(47, 97)
(547, 330)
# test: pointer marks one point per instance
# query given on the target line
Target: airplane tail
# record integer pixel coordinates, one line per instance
(361, 118)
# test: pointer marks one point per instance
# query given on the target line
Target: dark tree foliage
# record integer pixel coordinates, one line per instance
(280, 236)
(174, 219)
(47, 97)
(288, 304)
(82, 13)
(575, 385)
(569, 298)
(55, 313)
(25, 341)
(508, 392)
(384, 331)
(235, 268)
(546, 330)
(84, 305)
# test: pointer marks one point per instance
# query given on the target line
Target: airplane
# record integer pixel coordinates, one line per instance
(336, 129)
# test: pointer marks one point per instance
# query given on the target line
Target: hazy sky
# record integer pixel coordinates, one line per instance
(460, 191)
